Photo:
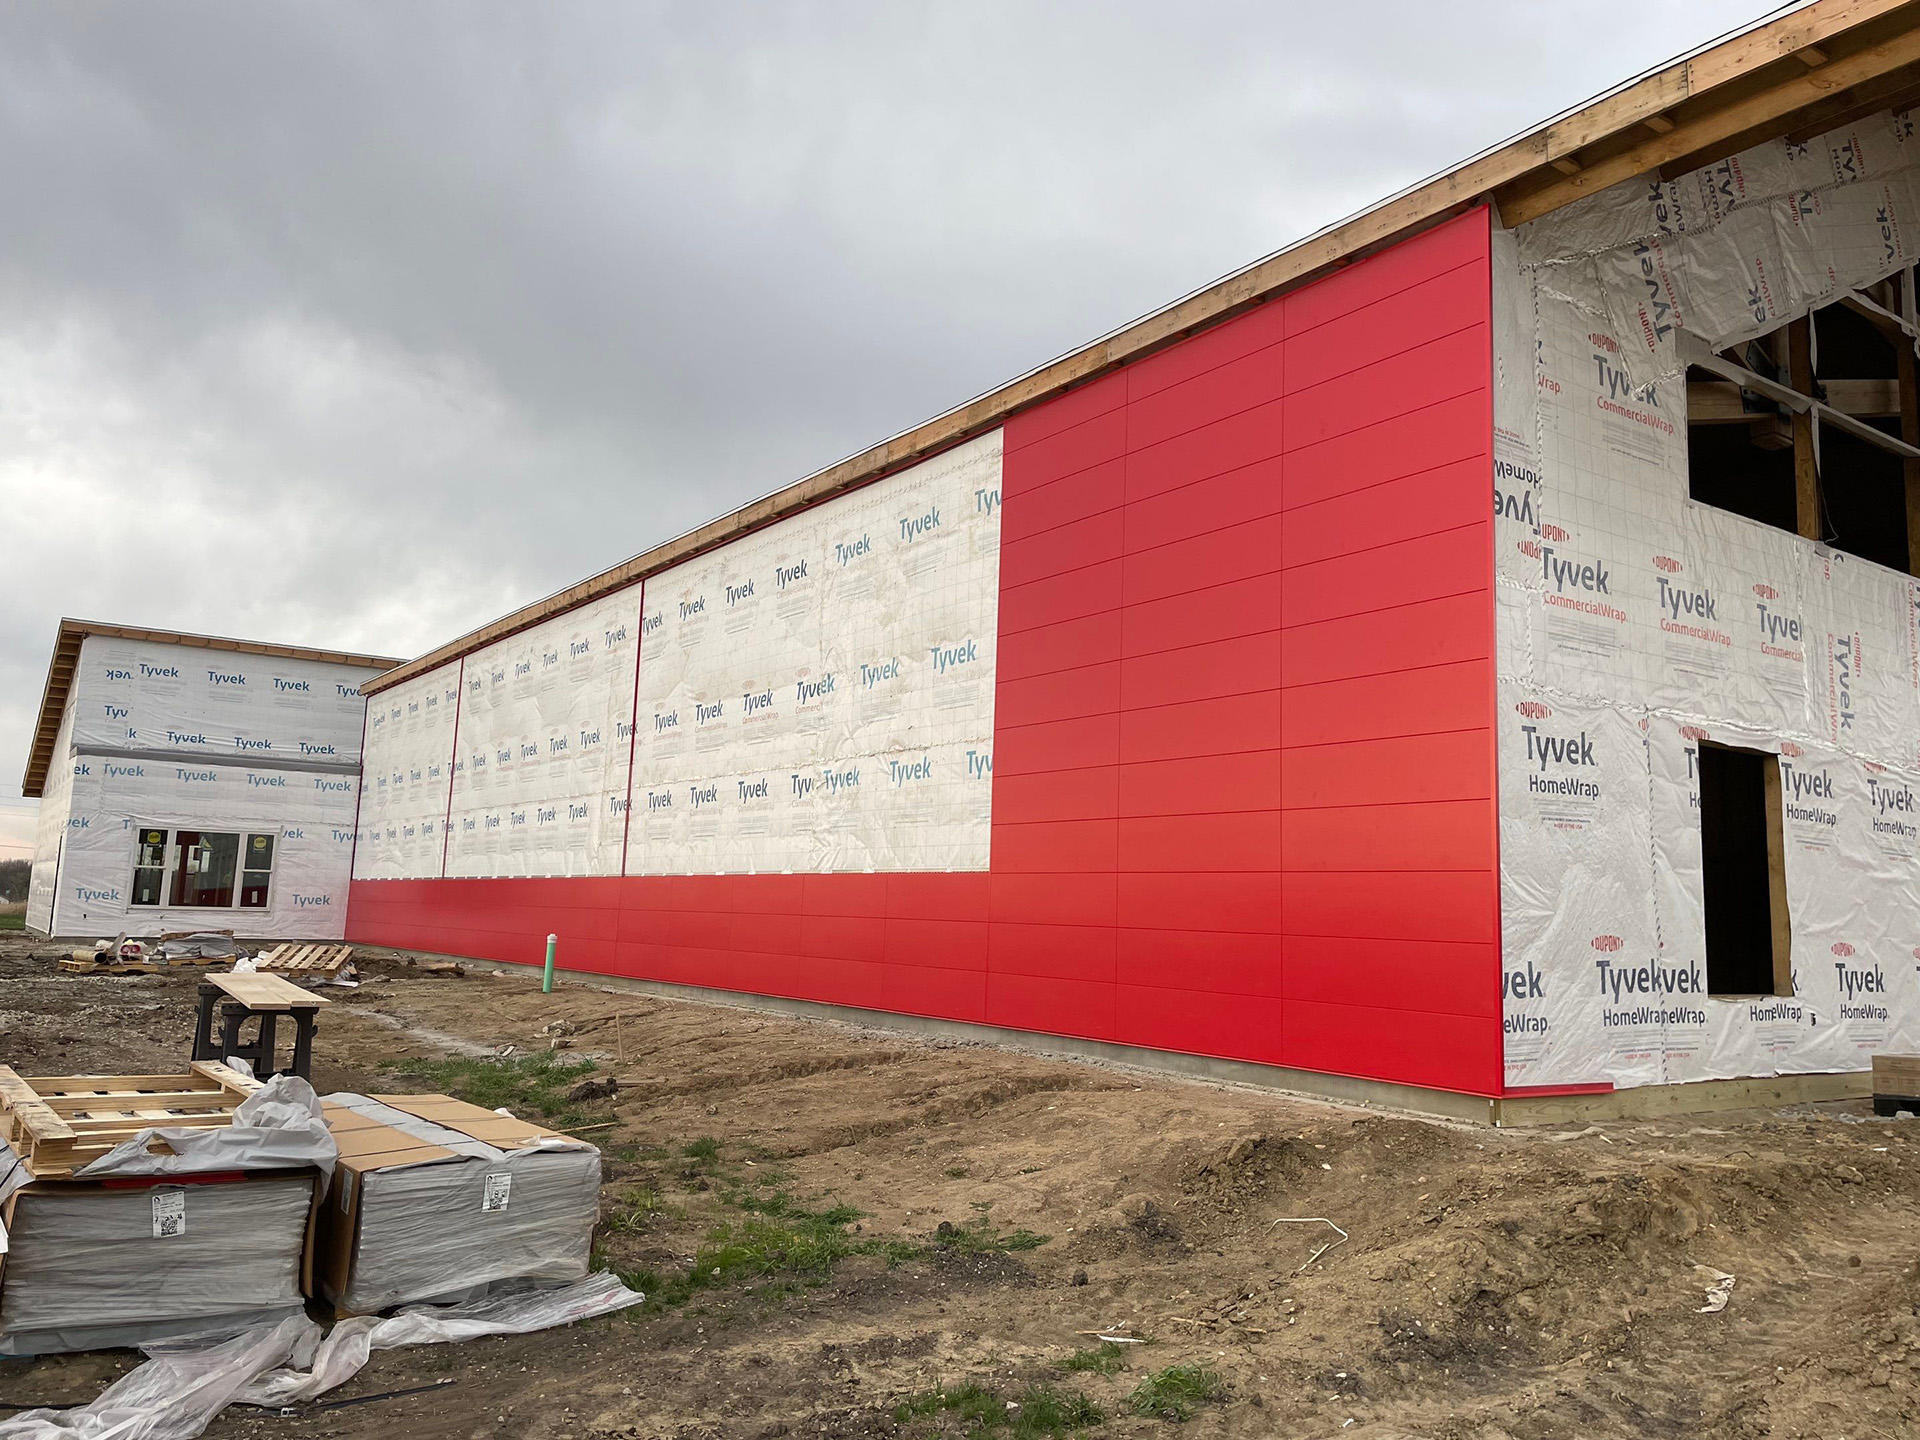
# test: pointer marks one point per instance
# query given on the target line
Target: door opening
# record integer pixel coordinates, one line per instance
(1743, 864)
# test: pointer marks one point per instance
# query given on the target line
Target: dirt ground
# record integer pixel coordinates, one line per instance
(1498, 1285)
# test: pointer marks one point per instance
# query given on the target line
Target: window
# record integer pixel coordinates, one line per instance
(149, 867)
(257, 872)
(1815, 428)
(1743, 867)
(205, 875)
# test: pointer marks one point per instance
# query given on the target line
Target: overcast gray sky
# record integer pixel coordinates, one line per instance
(358, 325)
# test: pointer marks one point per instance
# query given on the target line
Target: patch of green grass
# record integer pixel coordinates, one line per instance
(1109, 1359)
(536, 1082)
(705, 1148)
(632, 1211)
(1172, 1393)
(980, 1236)
(1037, 1411)
(12, 922)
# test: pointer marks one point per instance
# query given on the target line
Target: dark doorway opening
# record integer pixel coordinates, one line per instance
(1743, 865)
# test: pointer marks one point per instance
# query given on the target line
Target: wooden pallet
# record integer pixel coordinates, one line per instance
(291, 959)
(105, 962)
(58, 1123)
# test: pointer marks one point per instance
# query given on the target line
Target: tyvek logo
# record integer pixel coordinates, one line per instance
(785, 575)
(848, 551)
(117, 712)
(115, 673)
(737, 593)
(332, 786)
(872, 675)
(223, 677)
(917, 527)
(545, 814)
(589, 739)
(126, 772)
(309, 902)
(1858, 985)
(196, 777)
(651, 623)
(1527, 984)
(615, 636)
(665, 720)
(1843, 671)
(704, 795)
(752, 704)
(578, 648)
(1804, 790)
(159, 672)
(174, 737)
(289, 687)
(616, 804)
(759, 789)
(911, 772)
(89, 896)
(659, 800)
(522, 669)
(549, 658)
(1563, 751)
(82, 767)
(985, 502)
(556, 744)
(1618, 384)
(577, 812)
(266, 782)
(1685, 604)
(1893, 808)
(529, 752)
(79, 822)
(242, 742)
(1656, 310)
(979, 764)
(347, 692)
(1777, 632)
(703, 712)
(1618, 982)
(691, 608)
(306, 749)
(1565, 574)
(806, 691)
(946, 657)
(1513, 491)
(837, 781)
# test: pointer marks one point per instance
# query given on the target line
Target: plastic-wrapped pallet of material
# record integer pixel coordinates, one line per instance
(435, 1199)
(174, 1232)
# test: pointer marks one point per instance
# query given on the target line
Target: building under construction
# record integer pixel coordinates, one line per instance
(1197, 692)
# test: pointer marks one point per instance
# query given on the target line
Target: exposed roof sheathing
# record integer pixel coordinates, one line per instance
(1807, 69)
(66, 661)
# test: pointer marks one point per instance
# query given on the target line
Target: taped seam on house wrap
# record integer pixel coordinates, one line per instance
(1634, 623)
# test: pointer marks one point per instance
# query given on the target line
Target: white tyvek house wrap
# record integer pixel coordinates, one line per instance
(1625, 609)
(540, 772)
(816, 696)
(819, 696)
(405, 782)
(192, 700)
(184, 737)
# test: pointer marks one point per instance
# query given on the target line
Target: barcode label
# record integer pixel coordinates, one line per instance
(169, 1213)
(495, 1196)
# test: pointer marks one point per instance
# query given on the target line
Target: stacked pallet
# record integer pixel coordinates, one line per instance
(169, 1242)
(320, 961)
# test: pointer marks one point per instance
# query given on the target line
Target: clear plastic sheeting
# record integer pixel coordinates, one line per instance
(177, 1393)
(90, 1267)
(1635, 624)
(518, 1312)
(279, 1126)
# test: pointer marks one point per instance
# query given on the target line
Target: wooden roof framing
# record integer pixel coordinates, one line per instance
(1807, 69)
(66, 663)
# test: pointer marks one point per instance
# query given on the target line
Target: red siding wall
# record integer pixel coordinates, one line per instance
(1243, 760)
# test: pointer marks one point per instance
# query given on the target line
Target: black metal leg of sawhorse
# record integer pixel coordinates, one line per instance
(260, 1051)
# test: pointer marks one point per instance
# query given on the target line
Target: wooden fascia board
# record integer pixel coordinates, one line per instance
(1712, 127)
(1531, 155)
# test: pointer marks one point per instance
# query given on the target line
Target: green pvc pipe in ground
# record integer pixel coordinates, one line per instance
(546, 981)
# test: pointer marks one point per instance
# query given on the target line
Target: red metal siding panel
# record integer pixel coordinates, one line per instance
(1244, 792)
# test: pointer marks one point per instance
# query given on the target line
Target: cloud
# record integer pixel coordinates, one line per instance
(358, 325)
